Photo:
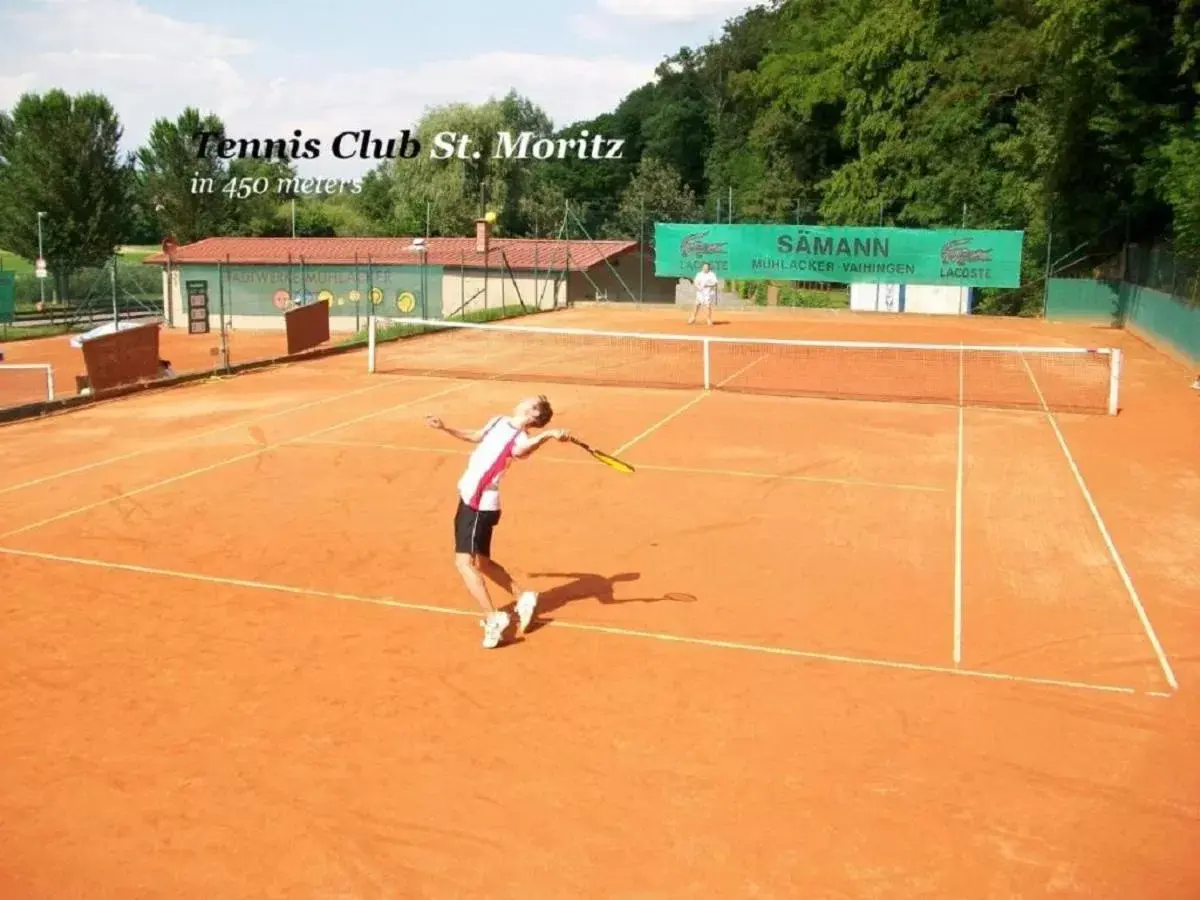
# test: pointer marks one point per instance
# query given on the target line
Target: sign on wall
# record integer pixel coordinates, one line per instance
(842, 255)
(267, 290)
(197, 306)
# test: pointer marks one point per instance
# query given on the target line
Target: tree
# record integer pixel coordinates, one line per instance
(656, 194)
(169, 162)
(1181, 189)
(460, 190)
(543, 205)
(61, 157)
(376, 203)
(144, 226)
(259, 214)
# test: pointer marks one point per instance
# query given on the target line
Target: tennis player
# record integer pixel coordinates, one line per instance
(706, 282)
(497, 444)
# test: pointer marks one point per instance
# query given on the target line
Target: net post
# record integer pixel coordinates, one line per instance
(49, 382)
(707, 345)
(1114, 382)
(371, 340)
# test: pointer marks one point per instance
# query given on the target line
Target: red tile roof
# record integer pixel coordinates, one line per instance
(521, 253)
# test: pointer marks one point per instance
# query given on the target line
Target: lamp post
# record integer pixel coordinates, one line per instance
(42, 273)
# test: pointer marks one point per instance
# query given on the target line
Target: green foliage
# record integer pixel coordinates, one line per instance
(656, 193)
(1181, 189)
(396, 330)
(167, 164)
(258, 215)
(1074, 120)
(11, 262)
(454, 192)
(791, 295)
(375, 204)
(59, 155)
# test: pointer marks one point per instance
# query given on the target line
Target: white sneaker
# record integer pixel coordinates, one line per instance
(493, 628)
(526, 607)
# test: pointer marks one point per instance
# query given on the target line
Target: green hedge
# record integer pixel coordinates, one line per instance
(835, 297)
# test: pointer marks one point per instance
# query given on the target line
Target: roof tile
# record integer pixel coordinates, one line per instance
(521, 253)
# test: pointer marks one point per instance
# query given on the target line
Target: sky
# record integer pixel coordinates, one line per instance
(267, 68)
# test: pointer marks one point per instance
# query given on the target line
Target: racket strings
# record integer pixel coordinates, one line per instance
(612, 462)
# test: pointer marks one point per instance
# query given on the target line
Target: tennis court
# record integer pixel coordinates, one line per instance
(940, 643)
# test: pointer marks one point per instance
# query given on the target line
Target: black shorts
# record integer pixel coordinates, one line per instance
(473, 529)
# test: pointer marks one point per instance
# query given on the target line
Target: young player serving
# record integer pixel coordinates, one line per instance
(498, 443)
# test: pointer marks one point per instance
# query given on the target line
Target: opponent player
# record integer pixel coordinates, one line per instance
(706, 282)
(498, 443)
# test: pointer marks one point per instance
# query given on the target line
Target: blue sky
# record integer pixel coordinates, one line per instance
(267, 68)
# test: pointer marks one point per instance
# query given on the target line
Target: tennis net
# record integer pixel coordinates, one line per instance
(22, 384)
(1060, 379)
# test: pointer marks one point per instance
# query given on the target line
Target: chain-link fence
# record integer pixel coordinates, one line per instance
(119, 289)
(1159, 268)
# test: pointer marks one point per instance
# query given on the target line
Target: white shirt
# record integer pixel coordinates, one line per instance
(706, 287)
(479, 486)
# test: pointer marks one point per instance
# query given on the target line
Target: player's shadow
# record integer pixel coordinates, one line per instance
(591, 586)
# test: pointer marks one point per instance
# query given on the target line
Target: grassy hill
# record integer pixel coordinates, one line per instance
(10, 262)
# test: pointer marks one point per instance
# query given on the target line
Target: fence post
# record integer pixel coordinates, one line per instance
(371, 286)
(112, 278)
(641, 250)
(224, 351)
(1046, 280)
(170, 294)
(371, 326)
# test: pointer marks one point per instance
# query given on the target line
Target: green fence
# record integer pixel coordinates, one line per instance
(1082, 299)
(1164, 318)
(1159, 317)
(351, 290)
(7, 297)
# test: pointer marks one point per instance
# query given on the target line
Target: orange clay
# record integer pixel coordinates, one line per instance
(236, 659)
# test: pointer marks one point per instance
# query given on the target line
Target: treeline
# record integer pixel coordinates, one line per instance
(1074, 120)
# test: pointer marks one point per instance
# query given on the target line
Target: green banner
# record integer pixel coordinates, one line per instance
(7, 297)
(843, 255)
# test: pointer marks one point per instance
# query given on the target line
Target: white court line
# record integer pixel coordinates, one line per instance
(643, 467)
(659, 424)
(958, 520)
(742, 370)
(181, 441)
(661, 637)
(191, 473)
(461, 386)
(1164, 664)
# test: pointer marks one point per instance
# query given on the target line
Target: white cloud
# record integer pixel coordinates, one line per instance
(593, 27)
(674, 11)
(138, 67)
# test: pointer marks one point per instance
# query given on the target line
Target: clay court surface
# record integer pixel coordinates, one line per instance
(186, 353)
(236, 660)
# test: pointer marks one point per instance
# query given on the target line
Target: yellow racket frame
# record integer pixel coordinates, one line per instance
(611, 461)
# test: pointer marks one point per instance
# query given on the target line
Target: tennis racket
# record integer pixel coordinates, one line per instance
(611, 461)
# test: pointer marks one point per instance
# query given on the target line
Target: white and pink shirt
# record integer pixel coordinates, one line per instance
(479, 486)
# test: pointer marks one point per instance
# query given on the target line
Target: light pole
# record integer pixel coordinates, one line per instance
(42, 280)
